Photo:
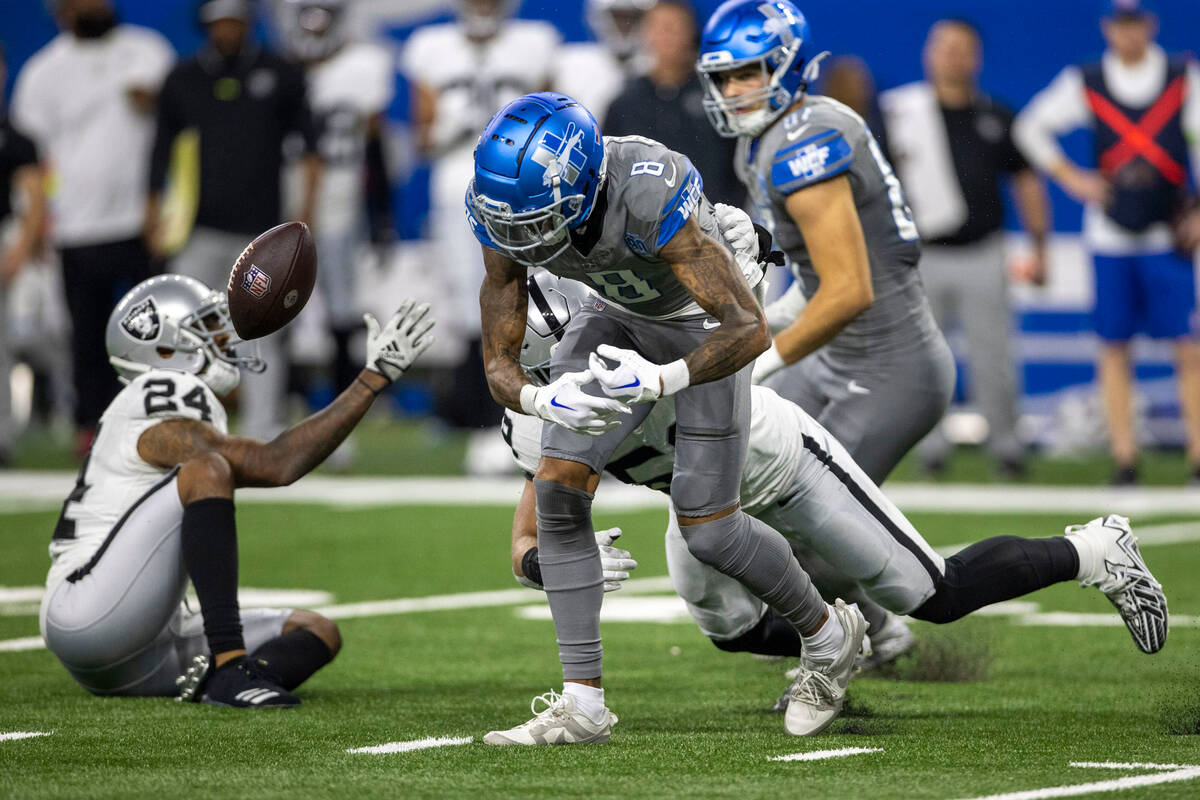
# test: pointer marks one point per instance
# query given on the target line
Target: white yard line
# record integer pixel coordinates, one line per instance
(40, 491)
(817, 755)
(22, 644)
(13, 735)
(407, 747)
(1172, 774)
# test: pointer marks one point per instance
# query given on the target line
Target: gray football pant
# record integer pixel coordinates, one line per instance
(209, 256)
(969, 283)
(120, 629)
(712, 427)
(837, 512)
(878, 406)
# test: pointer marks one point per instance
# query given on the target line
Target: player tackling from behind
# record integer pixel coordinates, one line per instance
(153, 507)
(674, 316)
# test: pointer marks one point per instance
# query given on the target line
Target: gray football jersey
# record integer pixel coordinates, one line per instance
(649, 193)
(819, 141)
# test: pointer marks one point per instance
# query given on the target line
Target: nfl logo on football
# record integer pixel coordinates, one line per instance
(256, 282)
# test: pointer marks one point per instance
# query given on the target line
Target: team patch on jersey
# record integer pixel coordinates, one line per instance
(141, 322)
(256, 282)
(636, 245)
(812, 160)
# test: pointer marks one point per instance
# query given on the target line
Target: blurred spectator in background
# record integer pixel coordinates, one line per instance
(243, 101)
(87, 101)
(848, 80)
(462, 72)
(595, 72)
(950, 144)
(666, 103)
(20, 235)
(1144, 109)
(350, 85)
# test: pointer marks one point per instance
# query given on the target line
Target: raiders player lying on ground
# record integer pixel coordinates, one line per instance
(153, 507)
(799, 480)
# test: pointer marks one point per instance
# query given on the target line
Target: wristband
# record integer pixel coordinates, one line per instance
(359, 379)
(528, 392)
(675, 377)
(531, 566)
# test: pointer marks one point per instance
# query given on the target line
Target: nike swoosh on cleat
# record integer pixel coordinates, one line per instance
(554, 402)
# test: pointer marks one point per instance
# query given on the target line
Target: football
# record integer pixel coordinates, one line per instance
(272, 280)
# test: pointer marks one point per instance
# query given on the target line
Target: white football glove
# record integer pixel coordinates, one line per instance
(737, 229)
(636, 380)
(616, 562)
(393, 348)
(564, 403)
(767, 365)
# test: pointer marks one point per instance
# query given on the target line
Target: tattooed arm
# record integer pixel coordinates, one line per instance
(284, 459)
(707, 270)
(502, 300)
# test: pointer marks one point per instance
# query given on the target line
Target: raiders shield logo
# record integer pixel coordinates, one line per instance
(141, 322)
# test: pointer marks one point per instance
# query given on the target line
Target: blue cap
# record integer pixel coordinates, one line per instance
(1127, 8)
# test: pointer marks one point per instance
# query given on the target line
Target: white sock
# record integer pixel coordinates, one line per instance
(1088, 565)
(588, 699)
(822, 647)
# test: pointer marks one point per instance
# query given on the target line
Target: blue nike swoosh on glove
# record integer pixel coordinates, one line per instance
(554, 402)
(636, 382)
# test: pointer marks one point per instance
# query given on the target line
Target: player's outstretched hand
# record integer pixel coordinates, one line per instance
(393, 348)
(737, 229)
(634, 379)
(617, 563)
(564, 403)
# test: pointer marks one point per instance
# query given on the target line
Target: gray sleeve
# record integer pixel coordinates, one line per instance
(663, 192)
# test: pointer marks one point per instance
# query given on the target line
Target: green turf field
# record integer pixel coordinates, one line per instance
(693, 719)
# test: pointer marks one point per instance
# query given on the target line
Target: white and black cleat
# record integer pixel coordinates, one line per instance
(1121, 574)
(239, 683)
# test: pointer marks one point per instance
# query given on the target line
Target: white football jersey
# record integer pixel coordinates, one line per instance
(646, 457)
(473, 80)
(114, 477)
(345, 91)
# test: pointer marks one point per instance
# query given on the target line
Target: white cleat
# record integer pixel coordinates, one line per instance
(1122, 574)
(815, 698)
(890, 642)
(559, 722)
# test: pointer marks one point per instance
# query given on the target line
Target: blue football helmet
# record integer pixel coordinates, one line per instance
(538, 167)
(773, 35)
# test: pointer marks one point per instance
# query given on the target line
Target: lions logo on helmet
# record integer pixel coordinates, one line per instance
(775, 37)
(538, 167)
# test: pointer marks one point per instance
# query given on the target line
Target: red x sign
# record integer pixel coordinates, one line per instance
(1139, 139)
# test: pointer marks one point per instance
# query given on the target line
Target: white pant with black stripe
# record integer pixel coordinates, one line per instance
(835, 510)
(120, 627)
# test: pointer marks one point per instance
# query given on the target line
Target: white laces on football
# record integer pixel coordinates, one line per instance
(812, 688)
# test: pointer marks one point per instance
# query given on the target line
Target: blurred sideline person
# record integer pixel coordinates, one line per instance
(951, 143)
(350, 85)
(153, 507)
(666, 103)
(21, 230)
(595, 72)
(863, 354)
(462, 72)
(87, 100)
(1144, 108)
(243, 100)
(848, 80)
(801, 481)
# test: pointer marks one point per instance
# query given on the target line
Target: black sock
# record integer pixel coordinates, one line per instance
(293, 657)
(209, 534)
(772, 636)
(997, 569)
